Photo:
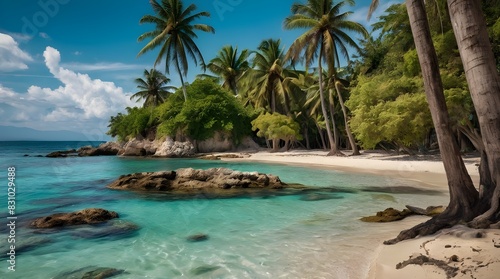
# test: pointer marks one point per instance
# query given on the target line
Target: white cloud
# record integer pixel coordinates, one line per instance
(103, 66)
(12, 58)
(80, 104)
(19, 37)
(44, 35)
(77, 53)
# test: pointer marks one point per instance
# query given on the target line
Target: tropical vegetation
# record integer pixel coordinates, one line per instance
(335, 91)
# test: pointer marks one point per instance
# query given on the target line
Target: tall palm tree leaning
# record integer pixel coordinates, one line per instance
(324, 40)
(230, 66)
(153, 88)
(466, 204)
(174, 32)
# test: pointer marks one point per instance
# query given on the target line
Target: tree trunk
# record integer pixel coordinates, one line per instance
(182, 79)
(483, 79)
(320, 132)
(336, 150)
(463, 195)
(355, 150)
(323, 105)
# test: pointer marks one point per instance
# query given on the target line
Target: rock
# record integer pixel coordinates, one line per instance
(388, 215)
(137, 147)
(175, 149)
(113, 229)
(90, 272)
(429, 211)
(191, 181)
(319, 197)
(203, 269)
(104, 149)
(197, 237)
(86, 216)
(59, 154)
(219, 142)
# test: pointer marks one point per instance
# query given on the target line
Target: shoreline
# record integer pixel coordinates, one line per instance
(470, 253)
(427, 170)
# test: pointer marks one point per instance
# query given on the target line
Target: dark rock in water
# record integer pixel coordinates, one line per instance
(388, 215)
(86, 216)
(39, 156)
(90, 272)
(191, 181)
(203, 269)
(26, 155)
(319, 197)
(197, 237)
(27, 244)
(59, 154)
(114, 229)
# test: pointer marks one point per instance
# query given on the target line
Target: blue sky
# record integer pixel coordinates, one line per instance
(70, 64)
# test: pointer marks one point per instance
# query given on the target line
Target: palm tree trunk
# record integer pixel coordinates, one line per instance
(182, 79)
(320, 132)
(355, 150)
(483, 79)
(323, 105)
(463, 195)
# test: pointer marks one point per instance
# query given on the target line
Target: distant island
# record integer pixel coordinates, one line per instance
(11, 133)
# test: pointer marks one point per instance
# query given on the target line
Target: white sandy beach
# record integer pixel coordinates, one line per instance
(468, 253)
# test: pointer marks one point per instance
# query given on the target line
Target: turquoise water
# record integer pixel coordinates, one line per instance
(249, 237)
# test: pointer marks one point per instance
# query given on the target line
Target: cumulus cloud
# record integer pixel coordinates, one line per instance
(12, 58)
(80, 104)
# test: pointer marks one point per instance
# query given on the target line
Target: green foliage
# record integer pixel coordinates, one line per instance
(276, 126)
(209, 108)
(412, 67)
(393, 111)
(135, 122)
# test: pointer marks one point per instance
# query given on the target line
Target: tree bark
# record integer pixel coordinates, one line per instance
(336, 150)
(463, 195)
(355, 150)
(323, 105)
(483, 79)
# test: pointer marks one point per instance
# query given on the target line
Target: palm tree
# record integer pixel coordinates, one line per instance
(324, 40)
(230, 66)
(269, 72)
(174, 31)
(153, 88)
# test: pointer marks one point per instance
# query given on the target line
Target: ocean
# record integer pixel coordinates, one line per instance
(295, 236)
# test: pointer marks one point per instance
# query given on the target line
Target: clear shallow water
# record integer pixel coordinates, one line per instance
(270, 237)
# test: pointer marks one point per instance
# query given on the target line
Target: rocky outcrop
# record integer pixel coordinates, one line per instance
(104, 149)
(91, 272)
(175, 149)
(191, 181)
(86, 216)
(390, 214)
(138, 147)
(64, 153)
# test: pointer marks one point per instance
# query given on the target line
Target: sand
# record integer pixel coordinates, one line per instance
(460, 251)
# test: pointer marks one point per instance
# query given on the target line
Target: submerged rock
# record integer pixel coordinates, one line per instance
(64, 153)
(86, 216)
(203, 269)
(90, 272)
(319, 197)
(191, 181)
(114, 229)
(197, 237)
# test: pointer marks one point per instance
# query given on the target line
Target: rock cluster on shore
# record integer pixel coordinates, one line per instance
(185, 181)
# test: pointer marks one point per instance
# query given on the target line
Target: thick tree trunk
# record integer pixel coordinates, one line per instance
(355, 150)
(483, 79)
(323, 105)
(463, 195)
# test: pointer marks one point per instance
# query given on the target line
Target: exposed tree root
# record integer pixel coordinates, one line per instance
(424, 260)
(336, 153)
(429, 227)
